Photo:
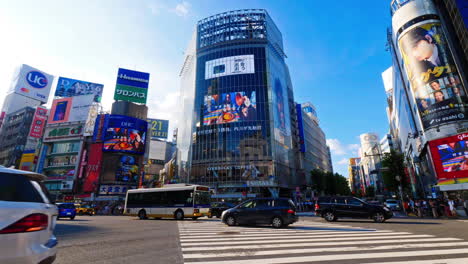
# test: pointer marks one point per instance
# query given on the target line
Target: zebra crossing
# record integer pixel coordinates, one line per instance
(212, 242)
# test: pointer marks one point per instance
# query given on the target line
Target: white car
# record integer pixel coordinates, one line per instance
(27, 219)
(392, 204)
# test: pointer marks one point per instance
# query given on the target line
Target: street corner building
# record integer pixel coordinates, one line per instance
(427, 93)
(238, 126)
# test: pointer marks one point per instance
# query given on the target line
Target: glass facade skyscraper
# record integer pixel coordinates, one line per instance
(235, 130)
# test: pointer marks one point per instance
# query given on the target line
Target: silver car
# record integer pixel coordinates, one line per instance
(392, 204)
(27, 219)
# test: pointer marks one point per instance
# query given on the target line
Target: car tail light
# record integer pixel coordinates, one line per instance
(317, 206)
(196, 211)
(291, 211)
(30, 223)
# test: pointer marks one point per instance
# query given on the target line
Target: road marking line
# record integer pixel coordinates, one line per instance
(298, 240)
(340, 257)
(434, 261)
(220, 235)
(321, 250)
(290, 237)
(315, 244)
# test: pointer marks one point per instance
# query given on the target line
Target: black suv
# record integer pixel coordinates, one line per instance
(278, 212)
(331, 208)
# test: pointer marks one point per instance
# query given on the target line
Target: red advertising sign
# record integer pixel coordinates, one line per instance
(39, 120)
(450, 156)
(93, 168)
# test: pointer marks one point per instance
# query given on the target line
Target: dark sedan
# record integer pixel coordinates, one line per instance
(218, 208)
(279, 212)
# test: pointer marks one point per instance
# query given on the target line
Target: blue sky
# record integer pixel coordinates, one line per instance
(336, 52)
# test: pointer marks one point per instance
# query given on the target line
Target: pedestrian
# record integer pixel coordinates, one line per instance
(433, 205)
(419, 208)
(446, 208)
(411, 204)
(425, 206)
(452, 207)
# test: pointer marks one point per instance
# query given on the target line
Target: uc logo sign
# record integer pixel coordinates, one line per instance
(36, 79)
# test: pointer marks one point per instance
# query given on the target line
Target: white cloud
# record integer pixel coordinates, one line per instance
(343, 161)
(182, 9)
(340, 149)
(156, 8)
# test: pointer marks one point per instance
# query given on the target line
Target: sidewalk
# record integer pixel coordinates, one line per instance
(396, 214)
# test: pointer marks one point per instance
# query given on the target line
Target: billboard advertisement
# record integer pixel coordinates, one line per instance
(32, 83)
(67, 87)
(229, 108)
(39, 120)
(234, 65)
(42, 157)
(158, 128)
(435, 80)
(124, 134)
(57, 133)
(300, 126)
(70, 109)
(450, 157)
(131, 86)
(91, 120)
(106, 189)
(27, 160)
(127, 169)
(93, 168)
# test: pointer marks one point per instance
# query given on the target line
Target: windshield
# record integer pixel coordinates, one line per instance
(202, 198)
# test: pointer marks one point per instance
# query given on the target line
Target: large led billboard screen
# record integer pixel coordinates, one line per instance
(435, 80)
(131, 86)
(450, 157)
(242, 64)
(124, 134)
(67, 87)
(229, 108)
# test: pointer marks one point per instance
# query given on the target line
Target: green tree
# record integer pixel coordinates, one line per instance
(393, 163)
(328, 183)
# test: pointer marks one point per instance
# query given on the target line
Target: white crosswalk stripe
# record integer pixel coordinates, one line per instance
(307, 242)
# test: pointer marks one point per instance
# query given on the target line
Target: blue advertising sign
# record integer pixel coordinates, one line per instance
(67, 87)
(300, 126)
(42, 157)
(463, 8)
(124, 134)
(158, 128)
(133, 78)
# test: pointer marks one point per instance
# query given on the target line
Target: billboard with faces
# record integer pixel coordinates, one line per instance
(229, 108)
(435, 80)
(124, 134)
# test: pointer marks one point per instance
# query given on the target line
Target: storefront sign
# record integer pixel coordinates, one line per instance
(27, 160)
(227, 129)
(39, 120)
(113, 189)
(63, 132)
(261, 183)
(450, 157)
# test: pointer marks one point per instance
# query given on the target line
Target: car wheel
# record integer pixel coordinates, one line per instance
(277, 222)
(72, 217)
(230, 220)
(142, 215)
(194, 218)
(329, 216)
(179, 215)
(218, 215)
(379, 218)
(210, 216)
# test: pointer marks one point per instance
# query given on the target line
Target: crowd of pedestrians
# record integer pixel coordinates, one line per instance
(436, 208)
(108, 208)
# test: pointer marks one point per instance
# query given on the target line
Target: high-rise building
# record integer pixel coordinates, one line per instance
(235, 133)
(428, 99)
(314, 151)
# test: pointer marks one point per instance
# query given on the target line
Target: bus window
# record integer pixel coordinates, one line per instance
(202, 198)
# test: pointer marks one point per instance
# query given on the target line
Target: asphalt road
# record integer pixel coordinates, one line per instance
(121, 239)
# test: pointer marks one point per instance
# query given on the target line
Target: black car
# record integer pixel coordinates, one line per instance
(331, 208)
(278, 212)
(218, 208)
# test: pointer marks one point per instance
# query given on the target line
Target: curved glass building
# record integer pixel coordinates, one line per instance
(235, 133)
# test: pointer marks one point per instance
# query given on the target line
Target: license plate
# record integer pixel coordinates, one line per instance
(68, 213)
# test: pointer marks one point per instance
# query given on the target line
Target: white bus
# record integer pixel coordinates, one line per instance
(177, 201)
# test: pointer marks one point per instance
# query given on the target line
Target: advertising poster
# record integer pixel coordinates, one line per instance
(39, 120)
(42, 157)
(229, 108)
(450, 157)
(67, 87)
(435, 80)
(234, 65)
(60, 110)
(93, 168)
(63, 132)
(91, 120)
(159, 128)
(125, 134)
(27, 160)
(127, 169)
(131, 86)
(70, 109)
(32, 83)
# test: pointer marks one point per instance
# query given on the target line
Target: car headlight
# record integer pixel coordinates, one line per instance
(386, 209)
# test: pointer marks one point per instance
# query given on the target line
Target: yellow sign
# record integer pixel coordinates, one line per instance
(27, 161)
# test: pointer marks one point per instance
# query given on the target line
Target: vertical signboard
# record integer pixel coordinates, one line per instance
(435, 80)
(42, 157)
(93, 168)
(27, 160)
(39, 120)
(131, 86)
(32, 83)
(300, 126)
(91, 120)
(159, 128)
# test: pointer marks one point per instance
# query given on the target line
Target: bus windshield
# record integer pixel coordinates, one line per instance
(202, 198)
